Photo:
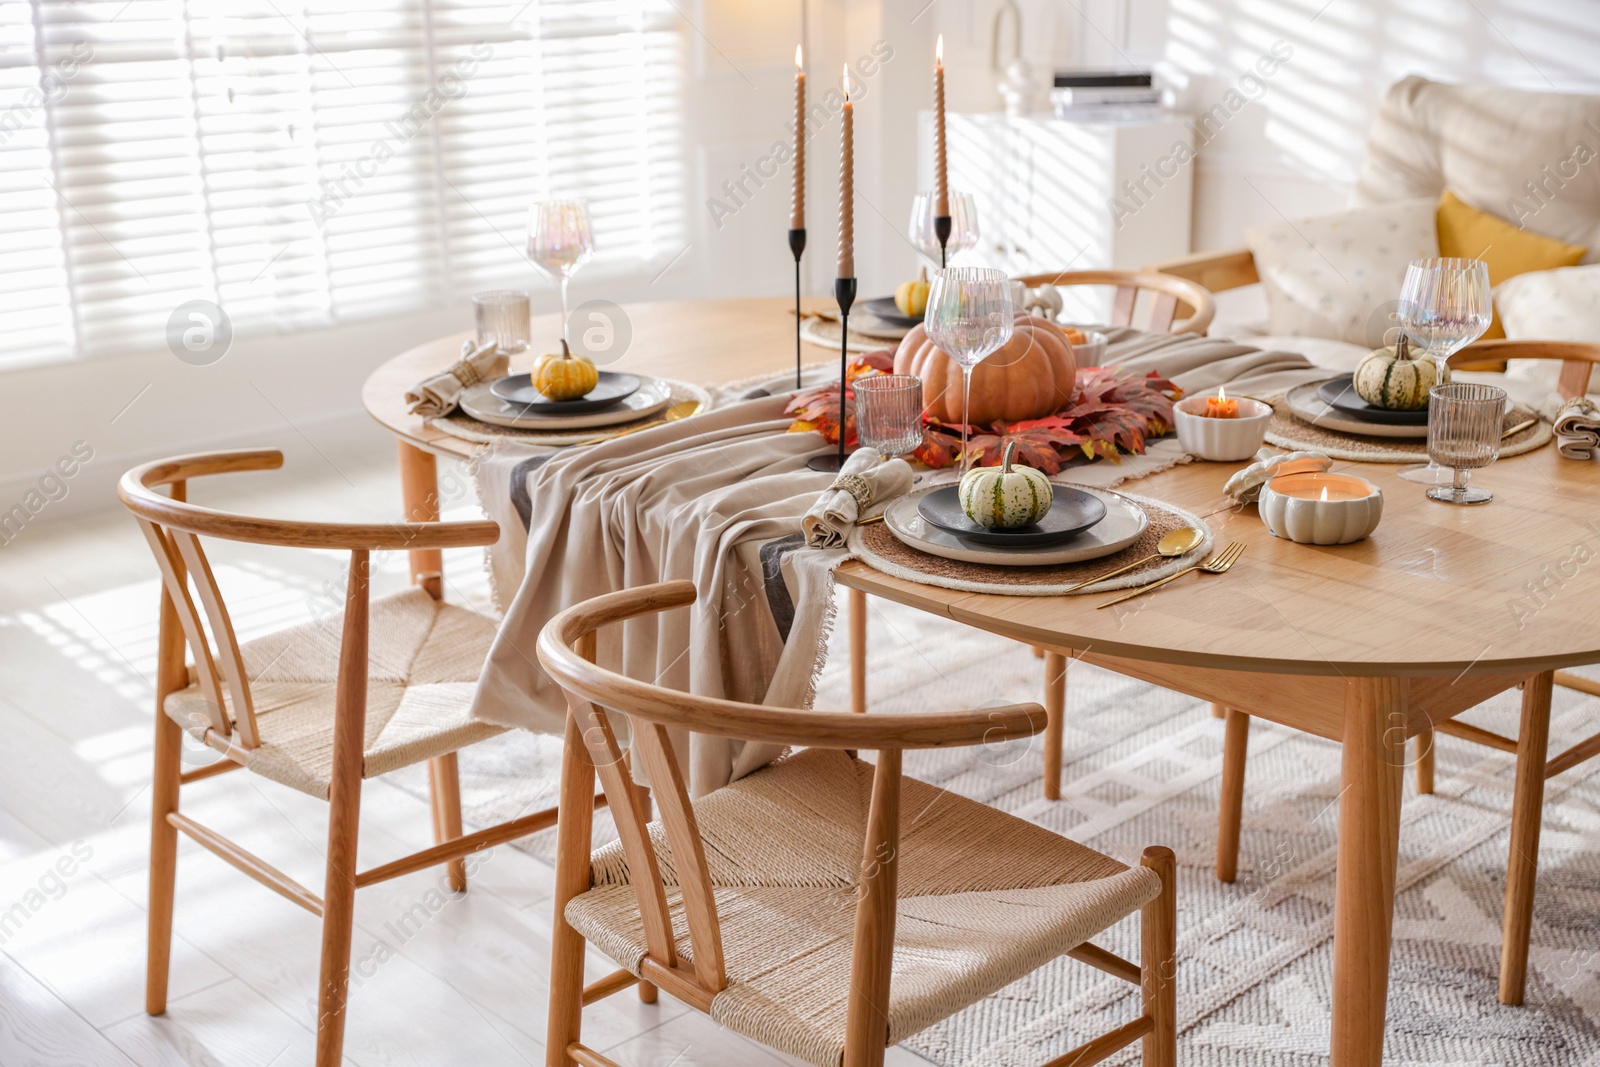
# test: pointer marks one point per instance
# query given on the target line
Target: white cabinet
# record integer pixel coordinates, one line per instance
(1054, 195)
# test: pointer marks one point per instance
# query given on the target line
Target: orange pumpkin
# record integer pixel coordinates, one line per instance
(1031, 376)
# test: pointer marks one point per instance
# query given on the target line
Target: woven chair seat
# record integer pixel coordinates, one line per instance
(424, 660)
(984, 899)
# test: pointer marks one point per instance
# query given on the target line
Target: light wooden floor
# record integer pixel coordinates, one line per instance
(438, 980)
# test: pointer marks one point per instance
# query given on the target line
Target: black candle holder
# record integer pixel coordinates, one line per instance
(844, 291)
(941, 230)
(797, 245)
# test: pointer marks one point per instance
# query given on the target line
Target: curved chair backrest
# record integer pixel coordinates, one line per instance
(172, 527)
(566, 651)
(1168, 292)
(1578, 359)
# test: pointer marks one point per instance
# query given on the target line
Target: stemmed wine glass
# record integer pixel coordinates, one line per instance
(963, 226)
(1444, 306)
(560, 240)
(969, 317)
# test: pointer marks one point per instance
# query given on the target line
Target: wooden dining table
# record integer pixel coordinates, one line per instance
(1368, 645)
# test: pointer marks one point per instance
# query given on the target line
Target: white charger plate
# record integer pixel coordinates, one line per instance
(480, 402)
(1121, 527)
(1306, 404)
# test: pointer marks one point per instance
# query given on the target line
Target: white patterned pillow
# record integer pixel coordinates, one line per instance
(1551, 305)
(1339, 276)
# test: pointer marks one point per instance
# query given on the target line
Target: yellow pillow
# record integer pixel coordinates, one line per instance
(1472, 234)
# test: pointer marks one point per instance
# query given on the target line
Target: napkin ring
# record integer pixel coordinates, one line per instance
(856, 486)
(465, 373)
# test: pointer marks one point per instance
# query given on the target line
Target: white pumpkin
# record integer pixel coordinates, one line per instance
(1005, 496)
(1394, 379)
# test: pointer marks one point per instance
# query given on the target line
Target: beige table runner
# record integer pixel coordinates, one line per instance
(718, 499)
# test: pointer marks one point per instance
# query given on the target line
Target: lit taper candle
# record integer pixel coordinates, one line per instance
(797, 207)
(847, 180)
(941, 177)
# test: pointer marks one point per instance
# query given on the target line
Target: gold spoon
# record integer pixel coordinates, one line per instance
(1173, 544)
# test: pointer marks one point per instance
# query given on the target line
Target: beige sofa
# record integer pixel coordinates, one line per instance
(1530, 157)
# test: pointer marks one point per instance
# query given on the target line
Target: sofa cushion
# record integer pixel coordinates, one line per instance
(1472, 234)
(1551, 305)
(1338, 276)
(1530, 157)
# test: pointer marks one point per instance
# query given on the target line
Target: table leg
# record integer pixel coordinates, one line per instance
(419, 491)
(1055, 709)
(1527, 817)
(1235, 751)
(858, 651)
(1374, 760)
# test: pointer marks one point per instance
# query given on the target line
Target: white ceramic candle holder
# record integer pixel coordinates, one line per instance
(1312, 507)
(1223, 440)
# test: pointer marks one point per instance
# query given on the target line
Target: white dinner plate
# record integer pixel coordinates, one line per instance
(1121, 527)
(480, 402)
(1306, 404)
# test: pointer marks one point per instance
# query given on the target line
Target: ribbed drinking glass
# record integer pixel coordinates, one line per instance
(889, 413)
(963, 226)
(502, 317)
(1464, 425)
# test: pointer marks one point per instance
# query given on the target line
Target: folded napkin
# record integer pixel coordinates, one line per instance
(866, 479)
(439, 394)
(1578, 428)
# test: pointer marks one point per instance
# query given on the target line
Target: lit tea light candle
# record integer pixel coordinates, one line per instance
(1221, 427)
(1316, 508)
(1221, 406)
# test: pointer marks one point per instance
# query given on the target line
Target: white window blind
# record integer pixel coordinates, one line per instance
(313, 163)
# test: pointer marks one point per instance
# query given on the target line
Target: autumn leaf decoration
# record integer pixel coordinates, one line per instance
(1110, 414)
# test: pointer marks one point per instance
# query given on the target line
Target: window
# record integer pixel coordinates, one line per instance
(304, 164)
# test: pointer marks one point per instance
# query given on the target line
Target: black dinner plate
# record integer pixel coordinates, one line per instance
(884, 308)
(1072, 511)
(1339, 394)
(519, 389)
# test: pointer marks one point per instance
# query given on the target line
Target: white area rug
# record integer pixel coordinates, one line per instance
(1142, 767)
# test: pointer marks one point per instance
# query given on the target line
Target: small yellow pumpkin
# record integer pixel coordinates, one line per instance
(564, 376)
(912, 297)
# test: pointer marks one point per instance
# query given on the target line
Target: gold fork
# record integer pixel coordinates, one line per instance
(1217, 564)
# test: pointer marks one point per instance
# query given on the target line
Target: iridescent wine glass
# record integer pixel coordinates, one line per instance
(560, 241)
(969, 317)
(1444, 306)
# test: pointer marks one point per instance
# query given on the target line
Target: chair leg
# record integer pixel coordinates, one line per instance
(163, 861)
(648, 993)
(574, 830)
(1158, 961)
(1055, 707)
(1425, 763)
(1527, 812)
(858, 651)
(1230, 813)
(444, 789)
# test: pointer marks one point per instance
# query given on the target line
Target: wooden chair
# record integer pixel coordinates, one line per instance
(1534, 765)
(1167, 293)
(780, 905)
(316, 707)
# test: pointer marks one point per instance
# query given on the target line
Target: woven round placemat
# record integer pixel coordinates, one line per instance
(687, 400)
(825, 333)
(1290, 431)
(877, 546)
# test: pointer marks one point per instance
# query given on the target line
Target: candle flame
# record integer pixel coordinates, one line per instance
(938, 51)
(845, 81)
(1324, 494)
(1222, 393)
(799, 61)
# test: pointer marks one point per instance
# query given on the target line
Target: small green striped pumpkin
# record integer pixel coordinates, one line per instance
(1393, 379)
(1005, 496)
